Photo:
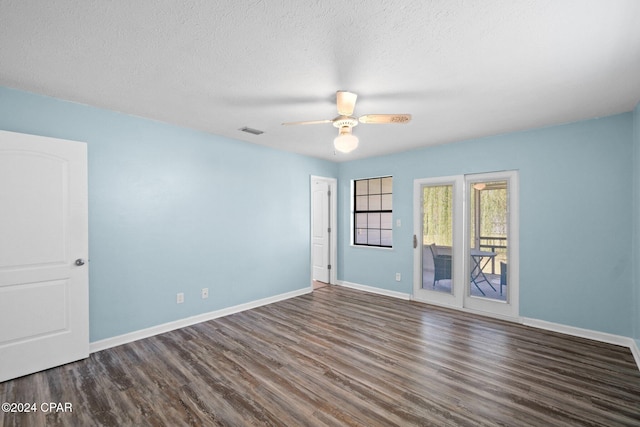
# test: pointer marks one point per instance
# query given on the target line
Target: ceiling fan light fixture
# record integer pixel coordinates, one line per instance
(345, 142)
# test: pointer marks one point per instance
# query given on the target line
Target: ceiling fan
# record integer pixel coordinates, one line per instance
(345, 122)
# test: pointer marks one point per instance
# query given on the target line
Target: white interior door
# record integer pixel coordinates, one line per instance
(324, 230)
(320, 230)
(44, 314)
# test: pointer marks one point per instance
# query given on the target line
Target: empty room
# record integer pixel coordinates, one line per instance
(320, 213)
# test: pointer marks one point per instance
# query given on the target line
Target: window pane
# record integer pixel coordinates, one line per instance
(374, 220)
(386, 202)
(361, 236)
(361, 187)
(489, 213)
(387, 184)
(362, 203)
(375, 203)
(374, 186)
(437, 238)
(386, 238)
(361, 220)
(373, 237)
(386, 221)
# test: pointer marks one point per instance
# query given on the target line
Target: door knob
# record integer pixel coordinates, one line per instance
(79, 261)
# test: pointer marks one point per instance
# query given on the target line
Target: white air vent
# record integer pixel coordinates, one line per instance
(252, 131)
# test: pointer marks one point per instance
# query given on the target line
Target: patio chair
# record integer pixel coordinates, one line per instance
(441, 264)
(503, 275)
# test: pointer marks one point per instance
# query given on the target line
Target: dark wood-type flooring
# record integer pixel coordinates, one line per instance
(342, 357)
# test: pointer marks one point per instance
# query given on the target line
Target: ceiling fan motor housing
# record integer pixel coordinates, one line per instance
(342, 121)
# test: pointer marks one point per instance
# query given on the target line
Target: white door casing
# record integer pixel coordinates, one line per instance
(322, 229)
(44, 307)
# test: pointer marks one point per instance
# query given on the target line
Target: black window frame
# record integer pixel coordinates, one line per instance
(359, 210)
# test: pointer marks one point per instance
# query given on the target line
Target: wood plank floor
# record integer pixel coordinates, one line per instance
(341, 357)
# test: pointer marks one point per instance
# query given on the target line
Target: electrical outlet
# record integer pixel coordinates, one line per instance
(398, 277)
(205, 293)
(180, 298)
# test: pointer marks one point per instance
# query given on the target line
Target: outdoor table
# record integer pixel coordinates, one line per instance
(480, 260)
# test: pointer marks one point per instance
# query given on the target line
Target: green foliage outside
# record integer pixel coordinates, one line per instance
(437, 215)
(438, 210)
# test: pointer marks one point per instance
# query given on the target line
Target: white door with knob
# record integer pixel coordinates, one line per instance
(44, 301)
(323, 230)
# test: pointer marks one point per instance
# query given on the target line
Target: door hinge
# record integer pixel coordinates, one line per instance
(329, 230)
(329, 193)
(329, 267)
(415, 241)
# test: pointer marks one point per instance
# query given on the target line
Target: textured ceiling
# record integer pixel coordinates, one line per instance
(462, 68)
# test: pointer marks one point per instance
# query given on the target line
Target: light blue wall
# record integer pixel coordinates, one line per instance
(575, 217)
(175, 210)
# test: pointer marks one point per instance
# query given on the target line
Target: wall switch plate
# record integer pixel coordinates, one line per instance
(205, 293)
(180, 298)
(398, 277)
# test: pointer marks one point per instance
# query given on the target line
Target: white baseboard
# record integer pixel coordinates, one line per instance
(635, 351)
(374, 290)
(577, 332)
(188, 321)
(587, 333)
(535, 323)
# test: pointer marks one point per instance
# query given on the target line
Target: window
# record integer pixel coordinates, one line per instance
(373, 212)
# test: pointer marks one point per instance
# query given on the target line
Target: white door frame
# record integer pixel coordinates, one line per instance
(460, 299)
(333, 225)
(500, 309)
(455, 299)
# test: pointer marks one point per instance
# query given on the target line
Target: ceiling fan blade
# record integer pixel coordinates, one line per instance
(311, 122)
(346, 102)
(385, 118)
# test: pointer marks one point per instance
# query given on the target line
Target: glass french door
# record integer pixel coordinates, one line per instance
(438, 242)
(466, 242)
